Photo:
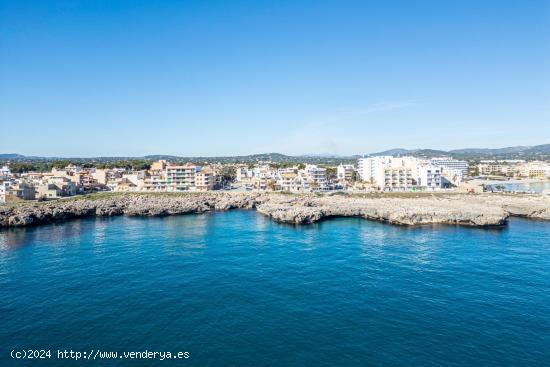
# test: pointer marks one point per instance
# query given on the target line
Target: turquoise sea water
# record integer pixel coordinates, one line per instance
(531, 187)
(236, 289)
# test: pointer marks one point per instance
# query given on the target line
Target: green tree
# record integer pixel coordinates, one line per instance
(228, 174)
(331, 173)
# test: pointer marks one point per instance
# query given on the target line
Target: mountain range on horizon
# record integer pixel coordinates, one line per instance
(518, 150)
(542, 151)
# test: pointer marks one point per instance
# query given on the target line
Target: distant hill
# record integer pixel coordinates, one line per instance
(518, 152)
(396, 152)
(11, 156)
(252, 158)
(508, 150)
(246, 159)
(413, 152)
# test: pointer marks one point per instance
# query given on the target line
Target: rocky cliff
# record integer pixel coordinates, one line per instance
(472, 210)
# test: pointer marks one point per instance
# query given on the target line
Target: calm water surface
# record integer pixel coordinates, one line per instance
(236, 289)
(532, 187)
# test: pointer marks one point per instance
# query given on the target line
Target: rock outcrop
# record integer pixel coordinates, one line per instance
(472, 210)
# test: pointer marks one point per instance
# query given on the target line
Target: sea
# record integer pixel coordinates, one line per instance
(237, 289)
(520, 187)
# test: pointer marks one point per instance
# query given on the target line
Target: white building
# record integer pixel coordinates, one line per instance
(429, 177)
(290, 181)
(5, 171)
(243, 173)
(316, 177)
(372, 169)
(451, 166)
(399, 173)
(3, 190)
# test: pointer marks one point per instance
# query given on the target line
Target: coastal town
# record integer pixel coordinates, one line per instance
(367, 174)
(275, 183)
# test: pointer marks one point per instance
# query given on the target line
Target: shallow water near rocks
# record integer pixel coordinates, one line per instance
(235, 288)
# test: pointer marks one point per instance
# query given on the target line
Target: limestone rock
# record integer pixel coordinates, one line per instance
(459, 209)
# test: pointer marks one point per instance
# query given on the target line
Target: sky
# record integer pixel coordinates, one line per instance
(209, 78)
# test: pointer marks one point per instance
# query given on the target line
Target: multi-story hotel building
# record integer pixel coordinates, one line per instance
(399, 173)
(372, 169)
(451, 165)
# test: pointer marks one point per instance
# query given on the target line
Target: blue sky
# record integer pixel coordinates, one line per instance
(115, 77)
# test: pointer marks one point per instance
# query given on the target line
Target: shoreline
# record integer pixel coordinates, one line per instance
(479, 210)
(526, 181)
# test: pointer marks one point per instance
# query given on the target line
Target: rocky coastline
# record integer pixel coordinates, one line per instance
(482, 210)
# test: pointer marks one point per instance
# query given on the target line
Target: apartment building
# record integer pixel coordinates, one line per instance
(398, 179)
(204, 179)
(496, 168)
(316, 177)
(180, 177)
(243, 173)
(154, 182)
(82, 178)
(429, 177)
(372, 169)
(535, 169)
(399, 173)
(516, 168)
(290, 181)
(104, 176)
(451, 166)
(345, 173)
